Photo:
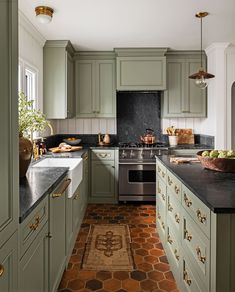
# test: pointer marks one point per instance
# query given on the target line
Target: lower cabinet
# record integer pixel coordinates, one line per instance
(103, 176)
(199, 243)
(57, 234)
(33, 267)
(9, 264)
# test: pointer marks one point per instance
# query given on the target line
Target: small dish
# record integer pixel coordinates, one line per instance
(72, 141)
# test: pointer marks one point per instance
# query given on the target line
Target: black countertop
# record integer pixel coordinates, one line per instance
(38, 183)
(215, 189)
(189, 146)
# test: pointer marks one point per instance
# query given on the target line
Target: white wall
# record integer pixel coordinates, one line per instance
(31, 44)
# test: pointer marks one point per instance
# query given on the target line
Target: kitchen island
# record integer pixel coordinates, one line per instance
(196, 224)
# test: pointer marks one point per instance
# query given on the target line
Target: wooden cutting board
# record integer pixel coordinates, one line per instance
(179, 160)
(185, 136)
(59, 150)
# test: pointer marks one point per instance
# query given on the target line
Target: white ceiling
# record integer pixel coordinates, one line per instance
(108, 24)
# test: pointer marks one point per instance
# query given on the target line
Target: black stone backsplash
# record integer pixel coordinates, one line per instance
(137, 111)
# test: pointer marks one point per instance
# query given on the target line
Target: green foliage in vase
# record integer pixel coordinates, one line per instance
(30, 119)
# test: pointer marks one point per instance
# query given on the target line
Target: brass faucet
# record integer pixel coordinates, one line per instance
(35, 151)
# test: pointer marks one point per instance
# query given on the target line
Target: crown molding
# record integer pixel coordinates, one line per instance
(31, 29)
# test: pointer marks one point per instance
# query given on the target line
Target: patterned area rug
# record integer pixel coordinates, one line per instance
(108, 248)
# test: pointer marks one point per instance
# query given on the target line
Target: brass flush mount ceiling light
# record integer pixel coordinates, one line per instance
(44, 14)
(201, 77)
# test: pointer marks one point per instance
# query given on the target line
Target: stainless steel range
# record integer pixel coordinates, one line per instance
(137, 171)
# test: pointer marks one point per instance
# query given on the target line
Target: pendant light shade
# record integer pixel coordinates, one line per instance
(201, 77)
(44, 14)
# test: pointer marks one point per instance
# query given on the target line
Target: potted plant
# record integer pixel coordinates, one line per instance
(30, 120)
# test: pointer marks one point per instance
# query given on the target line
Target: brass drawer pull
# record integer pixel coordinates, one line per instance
(1, 270)
(177, 189)
(199, 255)
(163, 225)
(170, 208)
(170, 182)
(85, 158)
(187, 236)
(63, 189)
(187, 279)
(163, 197)
(103, 155)
(176, 254)
(169, 239)
(163, 174)
(201, 218)
(35, 225)
(187, 201)
(177, 218)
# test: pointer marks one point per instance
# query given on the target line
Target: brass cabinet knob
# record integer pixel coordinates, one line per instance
(170, 208)
(177, 189)
(170, 182)
(163, 174)
(177, 218)
(200, 216)
(35, 225)
(163, 225)
(169, 239)
(199, 255)
(176, 254)
(1, 270)
(187, 201)
(187, 236)
(187, 279)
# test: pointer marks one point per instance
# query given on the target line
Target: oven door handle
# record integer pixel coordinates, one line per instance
(137, 163)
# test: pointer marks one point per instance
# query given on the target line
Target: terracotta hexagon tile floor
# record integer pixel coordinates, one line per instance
(152, 271)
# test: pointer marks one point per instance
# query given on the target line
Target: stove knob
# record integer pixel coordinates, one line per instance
(124, 155)
(132, 154)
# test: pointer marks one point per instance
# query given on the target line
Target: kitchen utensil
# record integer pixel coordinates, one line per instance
(148, 137)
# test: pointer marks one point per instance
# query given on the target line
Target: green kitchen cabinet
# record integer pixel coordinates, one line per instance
(95, 87)
(141, 69)
(58, 76)
(33, 267)
(103, 176)
(182, 97)
(9, 156)
(57, 234)
(9, 265)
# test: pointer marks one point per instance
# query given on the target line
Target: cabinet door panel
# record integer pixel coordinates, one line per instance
(85, 88)
(196, 96)
(9, 157)
(70, 86)
(33, 267)
(175, 88)
(105, 88)
(9, 261)
(103, 179)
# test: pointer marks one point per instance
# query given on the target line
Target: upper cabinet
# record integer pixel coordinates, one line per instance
(95, 85)
(141, 69)
(182, 97)
(58, 70)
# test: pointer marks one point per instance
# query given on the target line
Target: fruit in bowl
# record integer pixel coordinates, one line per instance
(219, 160)
(72, 141)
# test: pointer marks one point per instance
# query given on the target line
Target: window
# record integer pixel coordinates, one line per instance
(27, 81)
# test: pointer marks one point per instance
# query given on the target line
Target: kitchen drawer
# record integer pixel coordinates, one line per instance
(174, 185)
(197, 246)
(190, 280)
(196, 209)
(174, 212)
(161, 220)
(102, 154)
(32, 225)
(161, 170)
(173, 248)
(161, 191)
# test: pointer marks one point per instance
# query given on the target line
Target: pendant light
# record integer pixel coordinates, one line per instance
(201, 77)
(44, 14)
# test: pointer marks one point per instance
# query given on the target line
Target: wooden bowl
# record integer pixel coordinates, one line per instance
(217, 164)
